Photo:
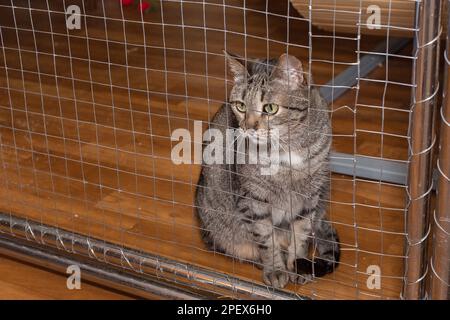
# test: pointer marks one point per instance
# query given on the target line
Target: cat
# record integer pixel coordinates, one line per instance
(273, 219)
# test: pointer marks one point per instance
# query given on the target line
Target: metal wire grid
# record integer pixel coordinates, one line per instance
(107, 90)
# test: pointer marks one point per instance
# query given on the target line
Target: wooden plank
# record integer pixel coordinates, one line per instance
(21, 281)
(343, 16)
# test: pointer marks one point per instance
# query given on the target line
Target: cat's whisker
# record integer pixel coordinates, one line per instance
(281, 146)
(239, 141)
(237, 137)
(234, 141)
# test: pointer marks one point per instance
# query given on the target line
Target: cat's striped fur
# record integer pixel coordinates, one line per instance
(273, 219)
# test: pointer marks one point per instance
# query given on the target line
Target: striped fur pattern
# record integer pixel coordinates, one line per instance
(277, 221)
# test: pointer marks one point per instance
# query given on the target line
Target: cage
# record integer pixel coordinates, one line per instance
(91, 92)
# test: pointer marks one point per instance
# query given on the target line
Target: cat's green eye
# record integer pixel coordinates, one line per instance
(271, 108)
(240, 106)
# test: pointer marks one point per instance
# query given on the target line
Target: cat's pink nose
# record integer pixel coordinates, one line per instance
(251, 123)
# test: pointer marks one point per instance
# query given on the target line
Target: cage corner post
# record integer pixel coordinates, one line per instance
(440, 255)
(422, 138)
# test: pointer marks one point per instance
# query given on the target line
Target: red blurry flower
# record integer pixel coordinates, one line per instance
(126, 3)
(144, 6)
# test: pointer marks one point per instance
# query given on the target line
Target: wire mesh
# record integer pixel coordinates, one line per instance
(87, 117)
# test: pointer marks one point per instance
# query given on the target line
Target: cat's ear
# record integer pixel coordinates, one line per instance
(238, 70)
(289, 71)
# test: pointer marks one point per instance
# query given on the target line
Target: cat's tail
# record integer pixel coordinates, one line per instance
(326, 254)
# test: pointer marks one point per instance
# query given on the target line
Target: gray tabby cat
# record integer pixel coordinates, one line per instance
(272, 219)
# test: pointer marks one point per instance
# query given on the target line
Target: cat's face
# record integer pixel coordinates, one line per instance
(268, 96)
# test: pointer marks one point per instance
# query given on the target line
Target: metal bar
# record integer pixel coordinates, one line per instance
(422, 137)
(93, 271)
(144, 271)
(368, 63)
(369, 168)
(440, 257)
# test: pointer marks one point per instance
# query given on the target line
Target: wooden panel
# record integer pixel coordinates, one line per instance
(20, 281)
(343, 16)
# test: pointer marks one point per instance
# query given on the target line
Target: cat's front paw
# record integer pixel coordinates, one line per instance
(301, 278)
(303, 272)
(276, 278)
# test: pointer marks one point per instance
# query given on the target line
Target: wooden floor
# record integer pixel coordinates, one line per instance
(71, 160)
(22, 281)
